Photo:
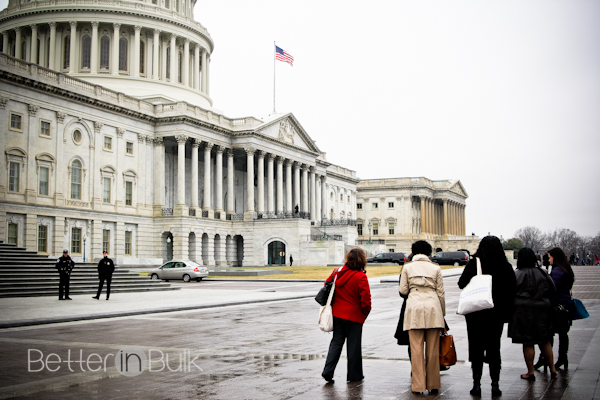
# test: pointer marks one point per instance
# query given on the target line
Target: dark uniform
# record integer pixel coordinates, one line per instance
(64, 265)
(106, 267)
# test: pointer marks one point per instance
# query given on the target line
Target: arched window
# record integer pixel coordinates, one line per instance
(142, 55)
(24, 50)
(76, 180)
(122, 54)
(48, 54)
(104, 52)
(167, 5)
(179, 67)
(169, 63)
(86, 51)
(67, 52)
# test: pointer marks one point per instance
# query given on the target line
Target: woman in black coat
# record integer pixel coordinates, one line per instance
(484, 328)
(532, 319)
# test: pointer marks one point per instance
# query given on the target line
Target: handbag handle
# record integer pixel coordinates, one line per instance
(478, 265)
(330, 297)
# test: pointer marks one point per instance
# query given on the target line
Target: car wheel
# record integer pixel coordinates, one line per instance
(186, 278)
(456, 263)
(198, 279)
(154, 277)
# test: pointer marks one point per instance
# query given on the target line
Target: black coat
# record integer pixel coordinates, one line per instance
(65, 264)
(106, 267)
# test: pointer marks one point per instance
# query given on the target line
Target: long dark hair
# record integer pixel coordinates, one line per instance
(356, 260)
(526, 258)
(561, 261)
(490, 251)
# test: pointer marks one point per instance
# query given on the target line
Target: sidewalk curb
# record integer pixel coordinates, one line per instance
(33, 322)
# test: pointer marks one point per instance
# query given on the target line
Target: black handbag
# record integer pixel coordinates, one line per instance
(323, 294)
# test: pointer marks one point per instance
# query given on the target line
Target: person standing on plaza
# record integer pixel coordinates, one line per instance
(532, 320)
(64, 265)
(484, 328)
(422, 281)
(291, 260)
(350, 308)
(597, 260)
(106, 267)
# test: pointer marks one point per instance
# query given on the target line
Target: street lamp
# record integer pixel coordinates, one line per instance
(84, 238)
(370, 226)
(325, 226)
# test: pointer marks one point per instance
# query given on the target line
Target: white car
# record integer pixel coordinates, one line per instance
(179, 269)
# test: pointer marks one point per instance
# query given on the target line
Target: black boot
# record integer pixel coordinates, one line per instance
(563, 349)
(541, 362)
(477, 371)
(495, 375)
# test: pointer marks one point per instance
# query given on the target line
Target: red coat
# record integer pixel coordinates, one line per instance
(352, 298)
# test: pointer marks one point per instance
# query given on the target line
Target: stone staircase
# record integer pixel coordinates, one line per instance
(25, 273)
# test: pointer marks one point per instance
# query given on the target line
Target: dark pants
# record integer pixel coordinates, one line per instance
(63, 285)
(351, 332)
(102, 278)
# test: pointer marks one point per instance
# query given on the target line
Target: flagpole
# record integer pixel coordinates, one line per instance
(274, 54)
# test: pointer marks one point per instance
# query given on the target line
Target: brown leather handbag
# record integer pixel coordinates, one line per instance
(447, 350)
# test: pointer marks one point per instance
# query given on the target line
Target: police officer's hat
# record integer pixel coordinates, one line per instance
(65, 251)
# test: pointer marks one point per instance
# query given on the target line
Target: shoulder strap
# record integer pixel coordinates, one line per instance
(478, 265)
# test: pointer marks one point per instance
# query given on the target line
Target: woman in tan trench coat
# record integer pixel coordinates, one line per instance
(422, 281)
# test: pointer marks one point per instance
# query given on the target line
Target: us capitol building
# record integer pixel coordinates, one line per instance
(110, 141)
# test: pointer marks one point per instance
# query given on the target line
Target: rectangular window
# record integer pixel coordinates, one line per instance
(391, 204)
(13, 180)
(375, 229)
(42, 238)
(44, 128)
(44, 174)
(129, 148)
(15, 121)
(359, 206)
(359, 229)
(375, 206)
(128, 192)
(106, 190)
(107, 143)
(13, 231)
(391, 250)
(127, 243)
(76, 240)
(391, 228)
(106, 240)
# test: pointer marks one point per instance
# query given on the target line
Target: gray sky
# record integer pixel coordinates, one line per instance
(503, 95)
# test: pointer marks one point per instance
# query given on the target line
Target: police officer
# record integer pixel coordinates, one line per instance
(64, 265)
(106, 267)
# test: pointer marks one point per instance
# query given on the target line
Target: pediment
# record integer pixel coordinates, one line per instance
(458, 188)
(287, 129)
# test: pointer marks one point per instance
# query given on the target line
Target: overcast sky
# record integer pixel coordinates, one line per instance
(503, 95)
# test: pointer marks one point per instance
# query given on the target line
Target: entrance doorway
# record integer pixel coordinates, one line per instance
(276, 253)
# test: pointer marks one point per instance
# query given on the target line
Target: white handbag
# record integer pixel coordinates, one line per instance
(326, 313)
(477, 295)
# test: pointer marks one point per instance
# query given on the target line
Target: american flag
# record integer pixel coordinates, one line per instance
(281, 55)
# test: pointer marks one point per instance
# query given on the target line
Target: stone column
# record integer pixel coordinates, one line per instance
(318, 214)
(204, 71)
(249, 214)
(208, 75)
(136, 52)
(195, 150)
(94, 48)
(186, 63)
(197, 67)
(207, 206)
(173, 58)
(155, 43)
(219, 184)
(73, 46)
(230, 188)
(464, 219)
(270, 192)
(142, 166)
(323, 196)
(18, 46)
(52, 49)
(445, 218)
(115, 48)
(313, 197)
(180, 208)
(422, 199)
(34, 57)
(163, 64)
(279, 185)
(288, 186)
(304, 188)
(296, 201)
(5, 49)
(260, 206)
(159, 175)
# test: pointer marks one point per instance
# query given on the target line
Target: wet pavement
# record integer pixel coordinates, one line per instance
(271, 349)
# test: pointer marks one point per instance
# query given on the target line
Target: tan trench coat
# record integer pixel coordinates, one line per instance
(422, 280)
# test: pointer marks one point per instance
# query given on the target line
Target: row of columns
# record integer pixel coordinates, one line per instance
(155, 46)
(447, 218)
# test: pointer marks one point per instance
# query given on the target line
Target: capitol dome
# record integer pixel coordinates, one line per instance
(151, 49)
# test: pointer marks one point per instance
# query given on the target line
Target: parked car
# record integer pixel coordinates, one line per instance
(398, 258)
(455, 258)
(179, 269)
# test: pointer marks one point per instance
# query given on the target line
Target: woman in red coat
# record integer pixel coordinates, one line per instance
(351, 306)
